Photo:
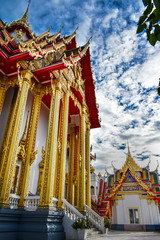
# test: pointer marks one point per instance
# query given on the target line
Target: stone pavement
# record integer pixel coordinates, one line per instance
(121, 235)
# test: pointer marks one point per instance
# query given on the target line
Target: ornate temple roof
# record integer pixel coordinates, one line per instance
(47, 55)
(131, 167)
(130, 163)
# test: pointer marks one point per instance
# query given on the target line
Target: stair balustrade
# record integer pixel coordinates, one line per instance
(71, 211)
(97, 221)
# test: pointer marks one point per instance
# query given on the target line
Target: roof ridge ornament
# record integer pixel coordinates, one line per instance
(129, 154)
(25, 15)
(23, 20)
(76, 28)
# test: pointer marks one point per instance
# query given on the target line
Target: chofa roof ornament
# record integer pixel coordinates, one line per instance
(23, 21)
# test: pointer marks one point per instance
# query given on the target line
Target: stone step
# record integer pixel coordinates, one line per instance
(93, 233)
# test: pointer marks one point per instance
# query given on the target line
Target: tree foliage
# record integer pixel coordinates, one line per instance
(150, 20)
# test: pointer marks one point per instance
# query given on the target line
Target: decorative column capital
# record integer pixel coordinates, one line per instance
(37, 90)
(26, 75)
(57, 84)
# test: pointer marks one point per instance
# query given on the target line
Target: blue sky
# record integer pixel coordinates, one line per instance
(125, 68)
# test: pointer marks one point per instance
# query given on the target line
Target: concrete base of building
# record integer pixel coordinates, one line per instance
(135, 227)
(25, 225)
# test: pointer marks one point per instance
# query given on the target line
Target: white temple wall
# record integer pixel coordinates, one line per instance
(114, 213)
(95, 181)
(40, 142)
(5, 111)
(145, 212)
(155, 213)
(28, 108)
(148, 214)
(121, 212)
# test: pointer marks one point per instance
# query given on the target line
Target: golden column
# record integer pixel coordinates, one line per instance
(88, 188)
(8, 128)
(82, 163)
(24, 180)
(58, 157)
(10, 151)
(46, 197)
(70, 190)
(61, 182)
(78, 159)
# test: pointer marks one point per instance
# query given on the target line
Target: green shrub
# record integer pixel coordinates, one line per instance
(107, 222)
(82, 223)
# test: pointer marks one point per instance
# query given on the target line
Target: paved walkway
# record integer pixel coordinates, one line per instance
(120, 235)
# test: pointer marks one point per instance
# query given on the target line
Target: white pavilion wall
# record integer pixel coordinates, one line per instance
(95, 181)
(149, 214)
(40, 142)
(5, 111)
(28, 108)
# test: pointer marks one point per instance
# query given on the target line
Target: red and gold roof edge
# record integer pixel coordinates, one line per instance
(11, 53)
(131, 166)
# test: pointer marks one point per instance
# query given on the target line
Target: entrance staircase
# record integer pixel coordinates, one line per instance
(71, 214)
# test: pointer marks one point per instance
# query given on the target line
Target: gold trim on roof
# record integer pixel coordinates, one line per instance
(131, 166)
(23, 21)
(130, 163)
(69, 39)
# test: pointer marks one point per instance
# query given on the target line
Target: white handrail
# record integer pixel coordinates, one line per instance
(96, 220)
(71, 211)
(13, 201)
(32, 203)
(55, 200)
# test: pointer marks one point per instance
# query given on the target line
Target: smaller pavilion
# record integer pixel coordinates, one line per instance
(130, 197)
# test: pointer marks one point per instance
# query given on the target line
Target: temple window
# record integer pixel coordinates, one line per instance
(134, 216)
(92, 190)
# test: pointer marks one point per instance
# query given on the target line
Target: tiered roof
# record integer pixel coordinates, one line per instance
(49, 56)
(131, 167)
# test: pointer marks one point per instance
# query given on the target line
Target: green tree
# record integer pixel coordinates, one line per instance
(150, 20)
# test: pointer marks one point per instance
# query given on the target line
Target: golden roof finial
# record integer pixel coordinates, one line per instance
(129, 154)
(25, 15)
(23, 20)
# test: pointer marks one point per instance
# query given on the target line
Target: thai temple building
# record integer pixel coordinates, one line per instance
(47, 108)
(130, 197)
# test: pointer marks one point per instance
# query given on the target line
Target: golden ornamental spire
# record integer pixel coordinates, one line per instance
(130, 163)
(129, 154)
(25, 15)
(23, 21)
